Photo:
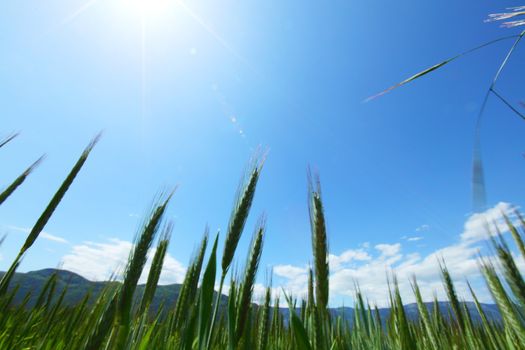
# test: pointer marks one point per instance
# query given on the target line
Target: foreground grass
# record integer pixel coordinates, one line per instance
(118, 319)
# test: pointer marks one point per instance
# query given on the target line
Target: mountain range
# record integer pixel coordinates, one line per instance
(34, 281)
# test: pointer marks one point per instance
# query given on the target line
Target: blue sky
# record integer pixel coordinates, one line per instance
(187, 93)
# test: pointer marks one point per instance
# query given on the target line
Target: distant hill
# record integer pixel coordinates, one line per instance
(491, 311)
(411, 310)
(34, 281)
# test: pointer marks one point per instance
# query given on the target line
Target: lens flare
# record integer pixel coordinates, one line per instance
(147, 8)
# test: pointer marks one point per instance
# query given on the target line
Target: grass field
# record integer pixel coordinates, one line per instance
(118, 319)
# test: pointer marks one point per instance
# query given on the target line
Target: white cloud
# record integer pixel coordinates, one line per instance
(100, 261)
(296, 279)
(461, 259)
(478, 226)
(172, 271)
(289, 271)
(388, 249)
(366, 266)
(43, 234)
(338, 261)
(259, 293)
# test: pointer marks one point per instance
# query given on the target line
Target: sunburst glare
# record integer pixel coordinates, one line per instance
(147, 8)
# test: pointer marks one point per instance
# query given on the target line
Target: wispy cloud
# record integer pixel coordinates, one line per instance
(43, 234)
(53, 238)
(423, 228)
(420, 230)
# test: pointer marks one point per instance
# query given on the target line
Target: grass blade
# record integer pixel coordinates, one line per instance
(437, 66)
(299, 333)
(8, 139)
(246, 291)
(206, 297)
(155, 270)
(136, 263)
(46, 215)
(19, 180)
(319, 243)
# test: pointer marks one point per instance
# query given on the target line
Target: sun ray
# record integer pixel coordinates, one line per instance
(214, 33)
(71, 17)
(68, 19)
(229, 112)
(143, 68)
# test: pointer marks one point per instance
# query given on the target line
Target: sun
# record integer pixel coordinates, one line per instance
(147, 8)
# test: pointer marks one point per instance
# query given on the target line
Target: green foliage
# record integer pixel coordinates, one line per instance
(206, 296)
(61, 311)
(46, 214)
(319, 242)
(19, 180)
(155, 270)
(7, 139)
